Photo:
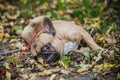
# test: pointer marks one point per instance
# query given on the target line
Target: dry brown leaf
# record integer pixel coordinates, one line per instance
(62, 64)
(32, 77)
(53, 77)
(10, 17)
(55, 70)
(82, 69)
(63, 71)
(45, 73)
(12, 47)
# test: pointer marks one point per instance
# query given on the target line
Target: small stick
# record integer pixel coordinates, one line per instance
(8, 52)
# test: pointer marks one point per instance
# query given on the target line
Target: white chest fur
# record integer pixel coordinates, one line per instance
(70, 46)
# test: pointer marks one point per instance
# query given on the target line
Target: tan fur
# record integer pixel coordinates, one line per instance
(65, 31)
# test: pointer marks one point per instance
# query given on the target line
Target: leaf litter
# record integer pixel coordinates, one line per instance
(98, 65)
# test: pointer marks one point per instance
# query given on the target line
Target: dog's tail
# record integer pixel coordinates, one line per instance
(89, 40)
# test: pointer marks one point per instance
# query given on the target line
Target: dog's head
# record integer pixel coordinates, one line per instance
(47, 41)
(35, 25)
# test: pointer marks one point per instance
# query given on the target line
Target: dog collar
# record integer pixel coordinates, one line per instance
(35, 36)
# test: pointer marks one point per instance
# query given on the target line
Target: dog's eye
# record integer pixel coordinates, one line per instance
(45, 48)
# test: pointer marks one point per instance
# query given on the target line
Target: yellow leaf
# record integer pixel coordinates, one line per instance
(13, 40)
(8, 75)
(76, 20)
(105, 65)
(2, 6)
(11, 7)
(62, 1)
(68, 0)
(46, 4)
(45, 73)
(61, 12)
(40, 60)
(101, 38)
(7, 35)
(1, 35)
(62, 64)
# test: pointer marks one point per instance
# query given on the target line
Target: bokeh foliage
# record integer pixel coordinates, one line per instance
(104, 13)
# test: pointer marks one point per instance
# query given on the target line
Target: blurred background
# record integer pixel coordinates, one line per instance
(102, 15)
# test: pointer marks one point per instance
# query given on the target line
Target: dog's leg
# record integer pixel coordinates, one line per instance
(82, 50)
(89, 40)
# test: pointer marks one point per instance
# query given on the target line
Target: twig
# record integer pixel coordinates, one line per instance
(9, 52)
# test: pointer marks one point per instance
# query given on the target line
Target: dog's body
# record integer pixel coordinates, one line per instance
(57, 33)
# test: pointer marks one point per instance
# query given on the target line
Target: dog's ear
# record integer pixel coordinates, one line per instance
(49, 26)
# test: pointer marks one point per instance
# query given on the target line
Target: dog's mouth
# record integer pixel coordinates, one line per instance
(48, 55)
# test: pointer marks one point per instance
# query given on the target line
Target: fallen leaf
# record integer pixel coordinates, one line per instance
(1, 35)
(101, 38)
(99, 56)
(62, 78)
(6, 65)
(7, 35)
(111, 40)
(13, 40)
(11, 7)
(40, 60)
(105, 65)
(62, 64)
(60, 12)
(84, 65)
(52, 77)
(32, 77)
(25, 76)
(24, 48)
(12, 47)
(65, 60)
(82, 69)
(64, 71)
(87, 55)
(38, 66)
(10, 17)
(45, 73)
(17, 27)
(2, 6)
(55, 70)
(8, 75)
(32, 61)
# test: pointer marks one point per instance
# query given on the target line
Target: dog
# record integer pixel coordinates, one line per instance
(56, 36)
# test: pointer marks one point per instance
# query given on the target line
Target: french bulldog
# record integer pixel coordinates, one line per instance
(57, 36)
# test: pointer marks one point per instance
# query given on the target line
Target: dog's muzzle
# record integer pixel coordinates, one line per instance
(47, 55)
